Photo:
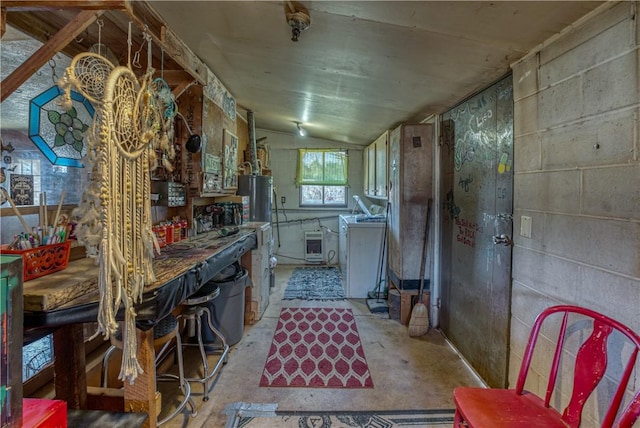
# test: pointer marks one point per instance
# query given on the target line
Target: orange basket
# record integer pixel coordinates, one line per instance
(43, 260)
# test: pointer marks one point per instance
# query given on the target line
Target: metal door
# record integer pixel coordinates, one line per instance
(477, 188)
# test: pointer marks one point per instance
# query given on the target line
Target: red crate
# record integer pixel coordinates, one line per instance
(43, 260)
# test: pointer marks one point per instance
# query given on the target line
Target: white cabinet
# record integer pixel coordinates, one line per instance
(360, 247)
(257, 295)
(381, 145)
(375, 168)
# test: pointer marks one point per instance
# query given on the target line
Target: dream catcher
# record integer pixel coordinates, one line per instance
(166, 107)
(88, 72)
(116, 211)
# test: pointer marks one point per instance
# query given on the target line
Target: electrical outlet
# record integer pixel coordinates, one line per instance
(283, 200)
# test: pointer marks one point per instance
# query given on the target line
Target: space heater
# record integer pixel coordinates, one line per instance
(313, 251)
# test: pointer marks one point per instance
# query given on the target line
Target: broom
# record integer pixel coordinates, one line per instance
(419, 322)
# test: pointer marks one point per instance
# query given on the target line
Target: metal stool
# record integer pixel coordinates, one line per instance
(163, 332)
(193, 313)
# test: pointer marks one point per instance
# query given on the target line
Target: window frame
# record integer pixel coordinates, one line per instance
(301, 204)
(323, 183)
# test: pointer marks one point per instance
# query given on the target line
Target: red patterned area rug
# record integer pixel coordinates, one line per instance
(318, 348)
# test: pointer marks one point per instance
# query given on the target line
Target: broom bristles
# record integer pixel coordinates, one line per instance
(419, 322)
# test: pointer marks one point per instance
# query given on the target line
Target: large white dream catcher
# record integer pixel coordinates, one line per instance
(115, 213)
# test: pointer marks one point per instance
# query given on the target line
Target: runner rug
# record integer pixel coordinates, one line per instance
(316, 347)
(314, 283)
(432, 418)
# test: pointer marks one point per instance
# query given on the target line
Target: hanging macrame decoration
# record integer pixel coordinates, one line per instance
(115, 213)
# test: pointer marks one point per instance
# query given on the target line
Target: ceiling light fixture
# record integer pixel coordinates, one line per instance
(301, 130)
(297, 17)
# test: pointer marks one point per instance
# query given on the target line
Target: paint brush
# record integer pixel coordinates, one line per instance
(40, 213)
(57, 217)
(44, 207)
(15, 210)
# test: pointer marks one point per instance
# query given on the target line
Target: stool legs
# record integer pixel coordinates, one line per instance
(195, 314)
(184, 385)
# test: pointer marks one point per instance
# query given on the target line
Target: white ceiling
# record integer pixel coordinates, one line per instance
(362, 66)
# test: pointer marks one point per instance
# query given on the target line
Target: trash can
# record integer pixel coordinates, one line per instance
(227, 309)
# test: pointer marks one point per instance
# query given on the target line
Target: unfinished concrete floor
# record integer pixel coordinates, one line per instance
(408, 373)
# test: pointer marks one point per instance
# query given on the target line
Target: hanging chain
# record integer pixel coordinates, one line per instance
(162, 63)
(136, 56)
(54, 76)
(129, 43)
(100, 23)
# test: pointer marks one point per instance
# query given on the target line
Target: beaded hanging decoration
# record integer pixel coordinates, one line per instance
(115, 213)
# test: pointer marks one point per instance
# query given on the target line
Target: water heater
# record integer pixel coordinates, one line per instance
(258, 188)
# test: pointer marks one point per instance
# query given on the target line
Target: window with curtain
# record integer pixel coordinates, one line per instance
(322, 177)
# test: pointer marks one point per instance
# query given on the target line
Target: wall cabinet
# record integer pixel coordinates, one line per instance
(375, 167)
(410, 187)
(369, 157)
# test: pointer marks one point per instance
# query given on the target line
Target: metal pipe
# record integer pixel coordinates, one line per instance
(253, 150)
(436, 285)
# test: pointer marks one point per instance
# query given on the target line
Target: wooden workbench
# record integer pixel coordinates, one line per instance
(62, 301)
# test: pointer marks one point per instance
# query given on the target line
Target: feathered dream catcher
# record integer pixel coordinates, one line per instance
(115, 213)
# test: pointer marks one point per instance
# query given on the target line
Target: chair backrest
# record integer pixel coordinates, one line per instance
(591, 361)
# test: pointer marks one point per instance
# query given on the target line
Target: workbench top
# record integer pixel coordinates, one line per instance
(71, 295)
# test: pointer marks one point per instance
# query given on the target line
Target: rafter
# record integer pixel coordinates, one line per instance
(66, 34)
(31, 5)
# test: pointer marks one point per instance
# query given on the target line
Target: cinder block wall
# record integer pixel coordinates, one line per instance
(577, 174)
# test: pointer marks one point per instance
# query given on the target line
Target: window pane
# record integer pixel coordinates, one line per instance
(36, 355)
(311, 195)
(312, 167)
(322, 167)
(334, 168)
(335, 195)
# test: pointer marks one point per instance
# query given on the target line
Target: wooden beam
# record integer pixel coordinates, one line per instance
(141, 395)
(70, 366)
(66, 34)
(31, 5)
(3, 24)
(143, 15)
(174, 77)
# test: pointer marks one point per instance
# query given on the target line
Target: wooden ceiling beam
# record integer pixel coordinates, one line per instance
(57, 42)
(3, 23)
(174, 77)
(144, 16)
(32, 5)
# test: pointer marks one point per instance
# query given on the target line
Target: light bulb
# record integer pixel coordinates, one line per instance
(301, 130)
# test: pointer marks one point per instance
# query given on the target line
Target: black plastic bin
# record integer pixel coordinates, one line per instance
(228, 308)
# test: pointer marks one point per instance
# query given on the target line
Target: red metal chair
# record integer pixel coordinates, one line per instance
(596, 346)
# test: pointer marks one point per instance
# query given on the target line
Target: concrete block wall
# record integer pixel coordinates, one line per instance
(294, 221)
(577, 175)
